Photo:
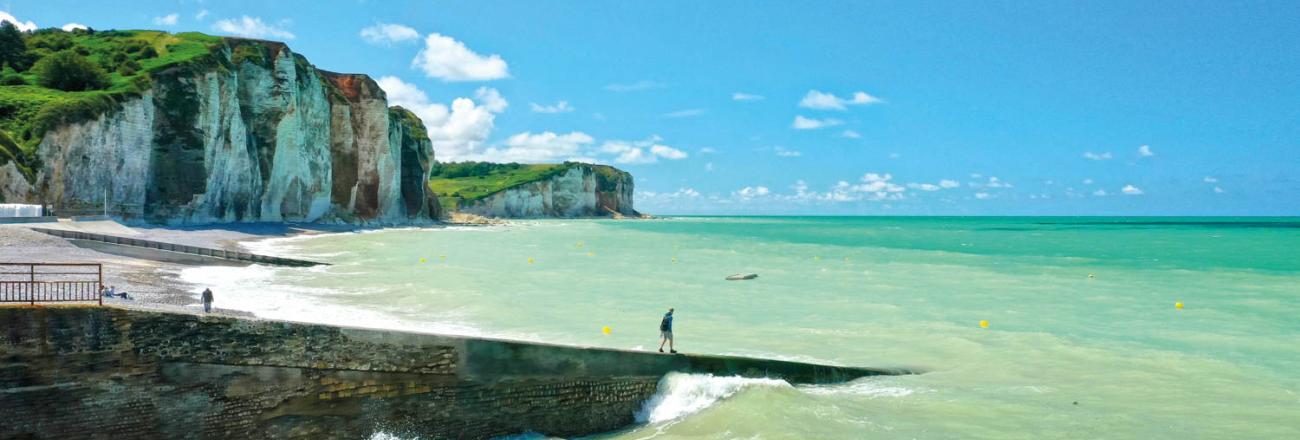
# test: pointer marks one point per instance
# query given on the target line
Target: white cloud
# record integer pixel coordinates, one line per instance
(1209, 179)
(1087, 181)
(22, 26)
(74, 26)
(559, 107)
(690, 112)
(387, 33)
(251, 27)
(541, 147)
(1145, 151)
(167, 20)
(1218, 190)
(945, 183)
(739, 96)
(802, 123)
(449, 60)
(983, 196)
(750, 192)
(1131, 190)
(201, 15)
(781, 151)
(850, 134)
(924, 186)
(1097, 156)
(641, 152)
(457, 132)
(1099, 193)
(826, 101)
(708, 166)
(708, 150)
(991, 182)
(644, 84)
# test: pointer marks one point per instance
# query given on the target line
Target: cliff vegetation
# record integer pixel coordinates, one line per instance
(51, 77)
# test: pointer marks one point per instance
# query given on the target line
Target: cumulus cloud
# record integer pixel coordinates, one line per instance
(1209, 179)
(983, 196)
(681, 193)
(559, 107)
(449, 60)
(850, 134)
(783, 152)
(541, 147)
(457, 131)
(991, 182)
(1097, 156)
(201, 15)
(945, 183)
(690, 112)
(740, 96)
(167, 20)
(826, 101)
(1131, 190)
(1099, 193)
(708, 150)
(74, 26)
(1087, 181)
(24, 26)
(924, 186)
(1218, 190)
(251, 27)
(1145, 151)
(750, 192)
(386, 34)
(648, 150)
(708, 166)
(644, 84)
(802, 123)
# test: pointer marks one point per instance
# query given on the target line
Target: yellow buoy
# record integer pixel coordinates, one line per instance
(530, 260)
(1092, 276)
(579, 244)
(605, 329)
(422, 259)
(591, 254)
(1178, 305)
(442, 257)
(984, 324)
(674, 259)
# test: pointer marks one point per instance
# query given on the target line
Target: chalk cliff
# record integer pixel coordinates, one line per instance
(582, 190)
(248, 132)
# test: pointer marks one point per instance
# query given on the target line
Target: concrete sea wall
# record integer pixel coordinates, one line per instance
(102, 372)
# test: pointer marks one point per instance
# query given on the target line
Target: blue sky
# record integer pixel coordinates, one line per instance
(894, 108)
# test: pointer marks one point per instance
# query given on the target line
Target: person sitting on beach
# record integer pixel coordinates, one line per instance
(112, 291)
(103, 291)
(207, 300)
(666, 332)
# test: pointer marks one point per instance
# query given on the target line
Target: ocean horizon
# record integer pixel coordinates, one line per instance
(1095, 326)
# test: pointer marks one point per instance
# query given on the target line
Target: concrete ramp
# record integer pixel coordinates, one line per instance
(72, 370)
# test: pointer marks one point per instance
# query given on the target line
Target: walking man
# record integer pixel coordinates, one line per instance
(207, 300)
(666, 332)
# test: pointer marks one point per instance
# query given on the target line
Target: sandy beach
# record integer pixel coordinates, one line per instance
(151, 284)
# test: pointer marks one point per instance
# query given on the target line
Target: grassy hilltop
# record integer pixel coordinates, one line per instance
(51, 77)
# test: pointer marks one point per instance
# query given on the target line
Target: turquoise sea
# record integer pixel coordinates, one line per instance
(1084, 339)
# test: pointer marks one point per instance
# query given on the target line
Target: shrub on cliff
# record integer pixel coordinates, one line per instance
(68, 71)
(13, 50)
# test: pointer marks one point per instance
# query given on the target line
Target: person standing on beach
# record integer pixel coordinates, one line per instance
(207, 300)
(666, 332)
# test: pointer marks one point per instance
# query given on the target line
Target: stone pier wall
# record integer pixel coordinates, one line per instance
(101, 372)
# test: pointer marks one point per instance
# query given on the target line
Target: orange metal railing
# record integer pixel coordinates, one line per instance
(51, 282)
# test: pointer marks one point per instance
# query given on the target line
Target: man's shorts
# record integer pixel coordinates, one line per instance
(666, 334)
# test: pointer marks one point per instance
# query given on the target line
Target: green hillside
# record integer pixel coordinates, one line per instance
(51, 77)
(464, 181)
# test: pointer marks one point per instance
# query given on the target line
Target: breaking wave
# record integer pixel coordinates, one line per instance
(682, 394)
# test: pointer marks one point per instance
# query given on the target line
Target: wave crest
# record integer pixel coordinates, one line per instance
(682, 394)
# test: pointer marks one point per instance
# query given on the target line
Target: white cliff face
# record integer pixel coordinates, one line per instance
(105, 157)
(574, 193)
(252, 142)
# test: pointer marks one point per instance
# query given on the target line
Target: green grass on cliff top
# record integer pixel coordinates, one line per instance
(28, 111)
(469, 188)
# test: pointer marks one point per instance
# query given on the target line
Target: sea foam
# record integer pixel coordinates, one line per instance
(682, 394)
